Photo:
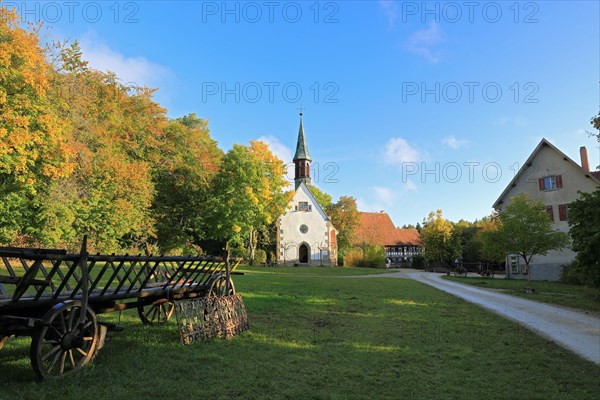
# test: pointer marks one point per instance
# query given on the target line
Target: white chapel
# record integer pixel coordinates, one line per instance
(305, 234)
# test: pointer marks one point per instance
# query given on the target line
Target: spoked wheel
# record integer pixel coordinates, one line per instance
(460, 272)
(218, 288)
(156, 314)
(63, 344)
(159, 313)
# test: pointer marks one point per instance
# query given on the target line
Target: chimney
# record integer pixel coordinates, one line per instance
(584, 159)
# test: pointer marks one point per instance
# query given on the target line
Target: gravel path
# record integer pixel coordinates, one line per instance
(573, 330)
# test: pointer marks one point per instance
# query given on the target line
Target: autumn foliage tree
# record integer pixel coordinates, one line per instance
(247, 194)
(440, 243)
(81, 153)
(33, 139)
(344, 217)
(118, 137)
(489, 251)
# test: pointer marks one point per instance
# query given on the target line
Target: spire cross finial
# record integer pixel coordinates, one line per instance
(301, 109)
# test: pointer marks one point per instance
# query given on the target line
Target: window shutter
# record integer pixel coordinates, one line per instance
(562, 212)
(550, 213)
(542, 185)
(558, 181)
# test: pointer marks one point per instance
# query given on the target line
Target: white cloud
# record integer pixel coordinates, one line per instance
(385, 195)
(398, 151)
(424, 41)
(278, 148)
(410, 186)
(385, 198)
(366, 206)
(390, 10)
(453, 142)
(129, 70)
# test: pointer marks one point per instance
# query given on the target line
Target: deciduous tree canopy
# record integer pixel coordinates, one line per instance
(438, 239)
(584, 219)
(344, 216)
(525, 229)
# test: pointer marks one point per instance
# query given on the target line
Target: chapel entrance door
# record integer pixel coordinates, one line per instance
(303, 254)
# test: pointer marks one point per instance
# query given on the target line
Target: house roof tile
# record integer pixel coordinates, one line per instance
(378, 228)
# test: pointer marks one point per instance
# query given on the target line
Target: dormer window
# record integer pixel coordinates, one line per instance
(551, 182)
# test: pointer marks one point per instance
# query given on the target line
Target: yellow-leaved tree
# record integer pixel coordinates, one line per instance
(441, 245)
(247, 195)
(34, 146)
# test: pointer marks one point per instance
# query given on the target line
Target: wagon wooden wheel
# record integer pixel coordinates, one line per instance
(218, 287)
(64, 344)
(156, 314)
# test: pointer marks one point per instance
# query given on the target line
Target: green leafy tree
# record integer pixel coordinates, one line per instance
(188, 165)
(584, 221)
(418, 227)
(466, 233)
(322, 198)
(525, 229)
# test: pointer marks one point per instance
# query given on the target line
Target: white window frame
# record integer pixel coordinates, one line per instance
(550, 183)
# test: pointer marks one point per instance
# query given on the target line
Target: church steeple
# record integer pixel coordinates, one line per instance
(302, 158)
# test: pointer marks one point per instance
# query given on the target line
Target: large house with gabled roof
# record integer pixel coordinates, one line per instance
(550, 176)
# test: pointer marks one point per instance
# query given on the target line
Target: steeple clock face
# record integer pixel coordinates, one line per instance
(303, 228)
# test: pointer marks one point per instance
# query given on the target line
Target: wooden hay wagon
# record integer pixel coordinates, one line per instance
(54, 297)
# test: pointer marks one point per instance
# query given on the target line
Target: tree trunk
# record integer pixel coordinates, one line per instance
(252, 246)
(227, 270)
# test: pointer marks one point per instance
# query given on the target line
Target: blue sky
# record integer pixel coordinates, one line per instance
(408, 106)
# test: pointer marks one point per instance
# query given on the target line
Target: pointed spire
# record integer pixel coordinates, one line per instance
(301, 146)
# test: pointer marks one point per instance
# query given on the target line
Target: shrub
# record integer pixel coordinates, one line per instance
(574, 274)
(260, 257)
(352, 257)
(372, 256)
(418, 262)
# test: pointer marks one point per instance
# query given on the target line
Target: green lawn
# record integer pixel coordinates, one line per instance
(312, 271)
(581, 297)
(324, 339)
